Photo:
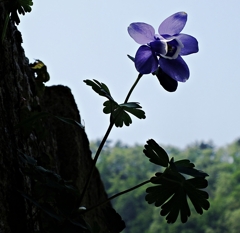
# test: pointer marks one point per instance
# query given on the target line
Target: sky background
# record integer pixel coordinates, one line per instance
(80, 40)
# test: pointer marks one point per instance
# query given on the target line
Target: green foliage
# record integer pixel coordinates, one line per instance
(15, 7)
(40, 70)
(118, 112)
(99, 88)
(19, 7)
(41, 76)
(156, 154)
(173, 188)
(123, 166)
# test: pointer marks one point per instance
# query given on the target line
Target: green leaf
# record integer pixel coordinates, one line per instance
(99, 88)
(186, 167)
(156, 154)
(120, 117)
(171, 194)
(109, 107)
(26, 4)
(177, 203)
(69, 121)
(119, 112)
(40, 71)
(133, 108)
(197, 197)
(20, 7)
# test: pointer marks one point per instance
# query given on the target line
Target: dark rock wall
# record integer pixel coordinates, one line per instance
(66, 147)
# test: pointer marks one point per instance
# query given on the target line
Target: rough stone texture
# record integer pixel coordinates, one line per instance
(71, 148)
(67, 145)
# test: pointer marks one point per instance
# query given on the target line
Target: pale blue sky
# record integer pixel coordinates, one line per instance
(80, 40)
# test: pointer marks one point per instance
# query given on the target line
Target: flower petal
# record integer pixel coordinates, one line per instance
(168, 83)
(145, 60)
(175, 68)
(142, 33)
(173, 25)
(189, 42)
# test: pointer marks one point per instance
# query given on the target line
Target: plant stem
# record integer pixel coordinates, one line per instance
(104, 140)
(132, 88)
(95, 159)
(116, 195)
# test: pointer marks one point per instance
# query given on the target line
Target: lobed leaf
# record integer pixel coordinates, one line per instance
(119, 112)
(69, 121)
(120, 117)
(156, 154)
(19, 7)
(133, 108)
(172, 191)
(109, 106)
(99, 88)
(186, 167)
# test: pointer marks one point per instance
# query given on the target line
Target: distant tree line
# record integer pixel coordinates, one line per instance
(120, 163)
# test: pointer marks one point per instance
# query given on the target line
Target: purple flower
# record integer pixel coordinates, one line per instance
(165, 49)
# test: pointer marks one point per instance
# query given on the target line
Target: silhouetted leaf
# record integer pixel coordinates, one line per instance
(40, 71)
(99, 88)
(69, 121)
(109, 106)
(19, 7)
(171, 194)
(156, 154)
(186, 167)
(134, 109)
(119, 113)
(120, 117)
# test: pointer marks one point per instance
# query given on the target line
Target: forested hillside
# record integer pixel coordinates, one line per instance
(122, 167)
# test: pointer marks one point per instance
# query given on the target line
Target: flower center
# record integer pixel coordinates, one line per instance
(174, 47)
(166, 48)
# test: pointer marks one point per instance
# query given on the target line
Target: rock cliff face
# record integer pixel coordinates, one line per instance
(64, 148)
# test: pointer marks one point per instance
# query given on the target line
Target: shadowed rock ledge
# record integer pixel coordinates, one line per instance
(64, 148)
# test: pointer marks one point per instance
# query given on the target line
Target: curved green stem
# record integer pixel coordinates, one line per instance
(132, 88)
(104, 140)
(95, 159)
(116, 195)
